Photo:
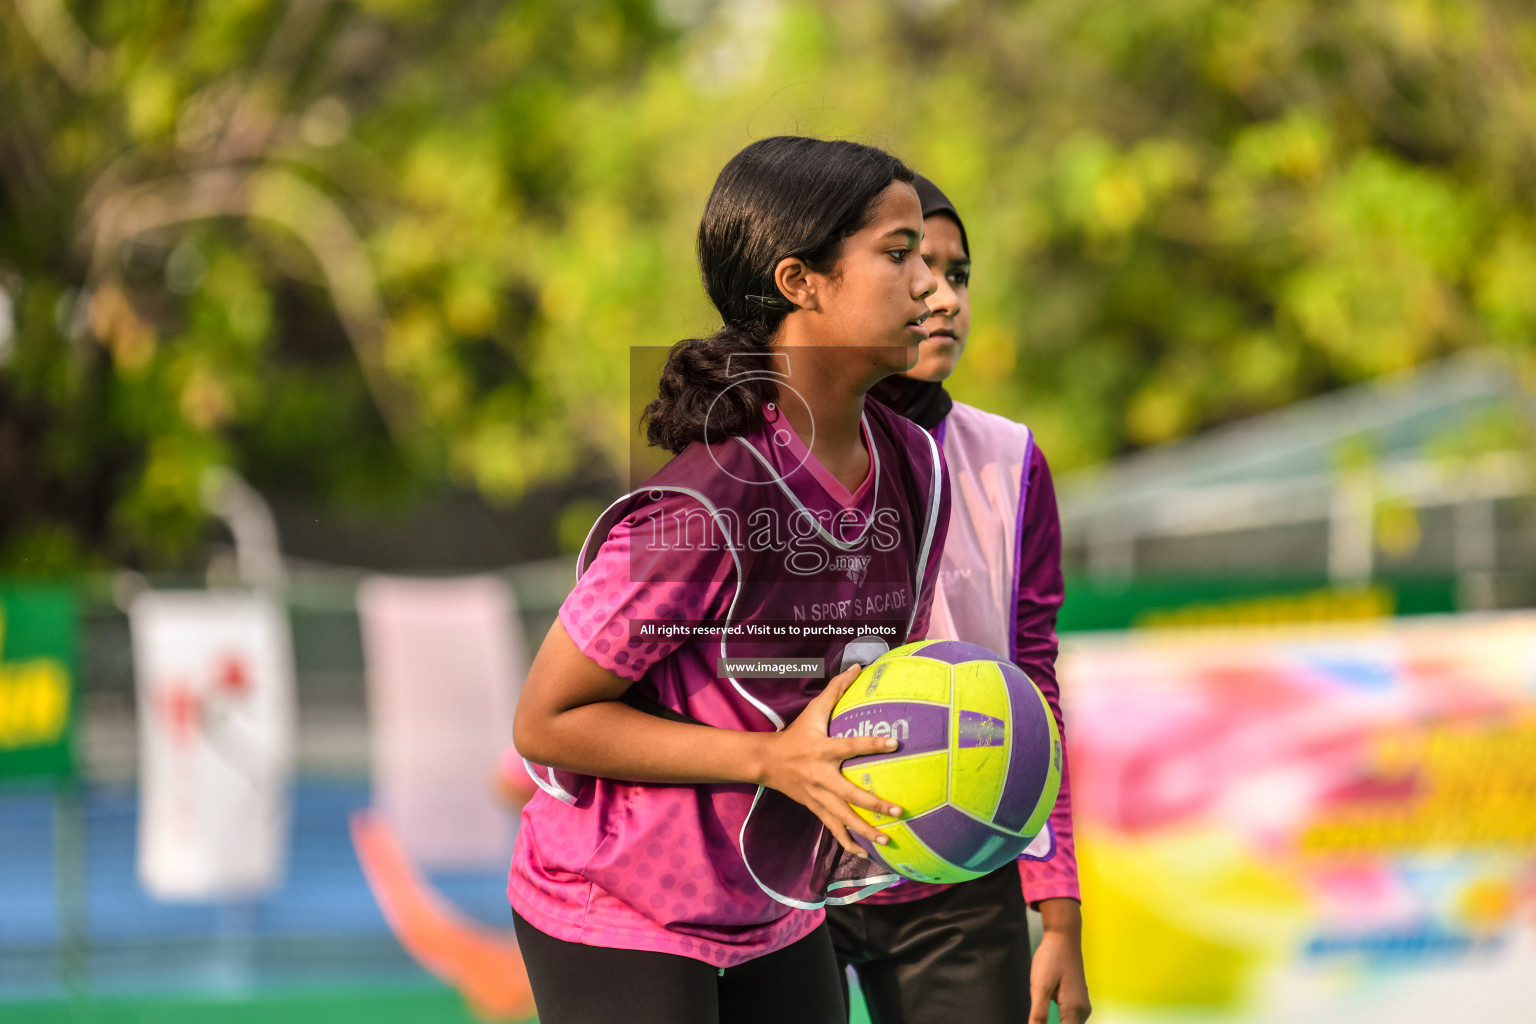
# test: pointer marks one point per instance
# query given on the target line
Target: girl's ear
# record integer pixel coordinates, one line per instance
(798, 283)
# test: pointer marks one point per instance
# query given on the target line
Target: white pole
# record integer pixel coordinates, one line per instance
(1351, 532)
(251, 523)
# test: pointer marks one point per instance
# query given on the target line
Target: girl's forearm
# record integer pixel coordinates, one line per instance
(612, 740)
(1062, 914)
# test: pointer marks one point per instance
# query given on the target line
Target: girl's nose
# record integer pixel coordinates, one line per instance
(926, 282)
(944, 299)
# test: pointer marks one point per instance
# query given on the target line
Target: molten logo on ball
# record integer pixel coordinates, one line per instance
(900, 729)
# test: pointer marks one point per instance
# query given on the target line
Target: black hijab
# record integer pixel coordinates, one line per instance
(924, 402)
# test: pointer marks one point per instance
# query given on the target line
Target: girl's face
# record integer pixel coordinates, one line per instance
(950, 322)
(875, 297)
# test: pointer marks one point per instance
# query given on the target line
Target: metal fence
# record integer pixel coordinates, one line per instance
(74, 920)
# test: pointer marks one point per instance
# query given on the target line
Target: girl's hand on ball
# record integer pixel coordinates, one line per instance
(804, 764)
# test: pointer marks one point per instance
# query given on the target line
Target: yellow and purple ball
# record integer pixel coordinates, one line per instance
(977, 763)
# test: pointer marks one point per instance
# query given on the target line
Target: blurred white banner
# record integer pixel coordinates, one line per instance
(216, 723)
(445, 661)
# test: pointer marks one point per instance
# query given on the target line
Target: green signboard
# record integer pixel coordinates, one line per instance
(1179, 601)
(39, 687)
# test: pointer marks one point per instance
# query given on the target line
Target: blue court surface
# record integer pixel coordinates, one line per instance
(82, 943)
(78, 934)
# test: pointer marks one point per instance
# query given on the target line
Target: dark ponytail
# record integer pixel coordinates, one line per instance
(781, 197)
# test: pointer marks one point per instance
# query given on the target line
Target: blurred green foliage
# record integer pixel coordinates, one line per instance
(355, 250)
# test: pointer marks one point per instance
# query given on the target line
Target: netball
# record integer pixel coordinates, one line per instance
(977, 764)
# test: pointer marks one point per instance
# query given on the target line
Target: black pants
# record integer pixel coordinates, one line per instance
(960, 955)
(579, 984)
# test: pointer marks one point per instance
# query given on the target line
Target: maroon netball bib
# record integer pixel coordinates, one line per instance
(818, 584)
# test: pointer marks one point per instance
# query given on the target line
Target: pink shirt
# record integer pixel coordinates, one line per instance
(1052, 872)
(658, 867)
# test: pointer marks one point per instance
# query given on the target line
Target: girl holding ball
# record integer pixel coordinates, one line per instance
(692, 820)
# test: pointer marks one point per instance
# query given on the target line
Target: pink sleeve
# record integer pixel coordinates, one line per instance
(635, 577)
(924, 610)
(1040, 593)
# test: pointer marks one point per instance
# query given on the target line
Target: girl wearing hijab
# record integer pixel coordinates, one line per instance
(691, 821)
(932, 953)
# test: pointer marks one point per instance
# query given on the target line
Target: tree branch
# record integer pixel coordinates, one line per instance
(282, 198)
(62, 43)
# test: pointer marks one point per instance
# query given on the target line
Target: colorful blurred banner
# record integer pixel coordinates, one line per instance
(216, 727)
(445, 663)
(38, 682)
(1330, 824)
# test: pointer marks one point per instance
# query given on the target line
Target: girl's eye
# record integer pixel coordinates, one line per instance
(960, 278)
(900, 255)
